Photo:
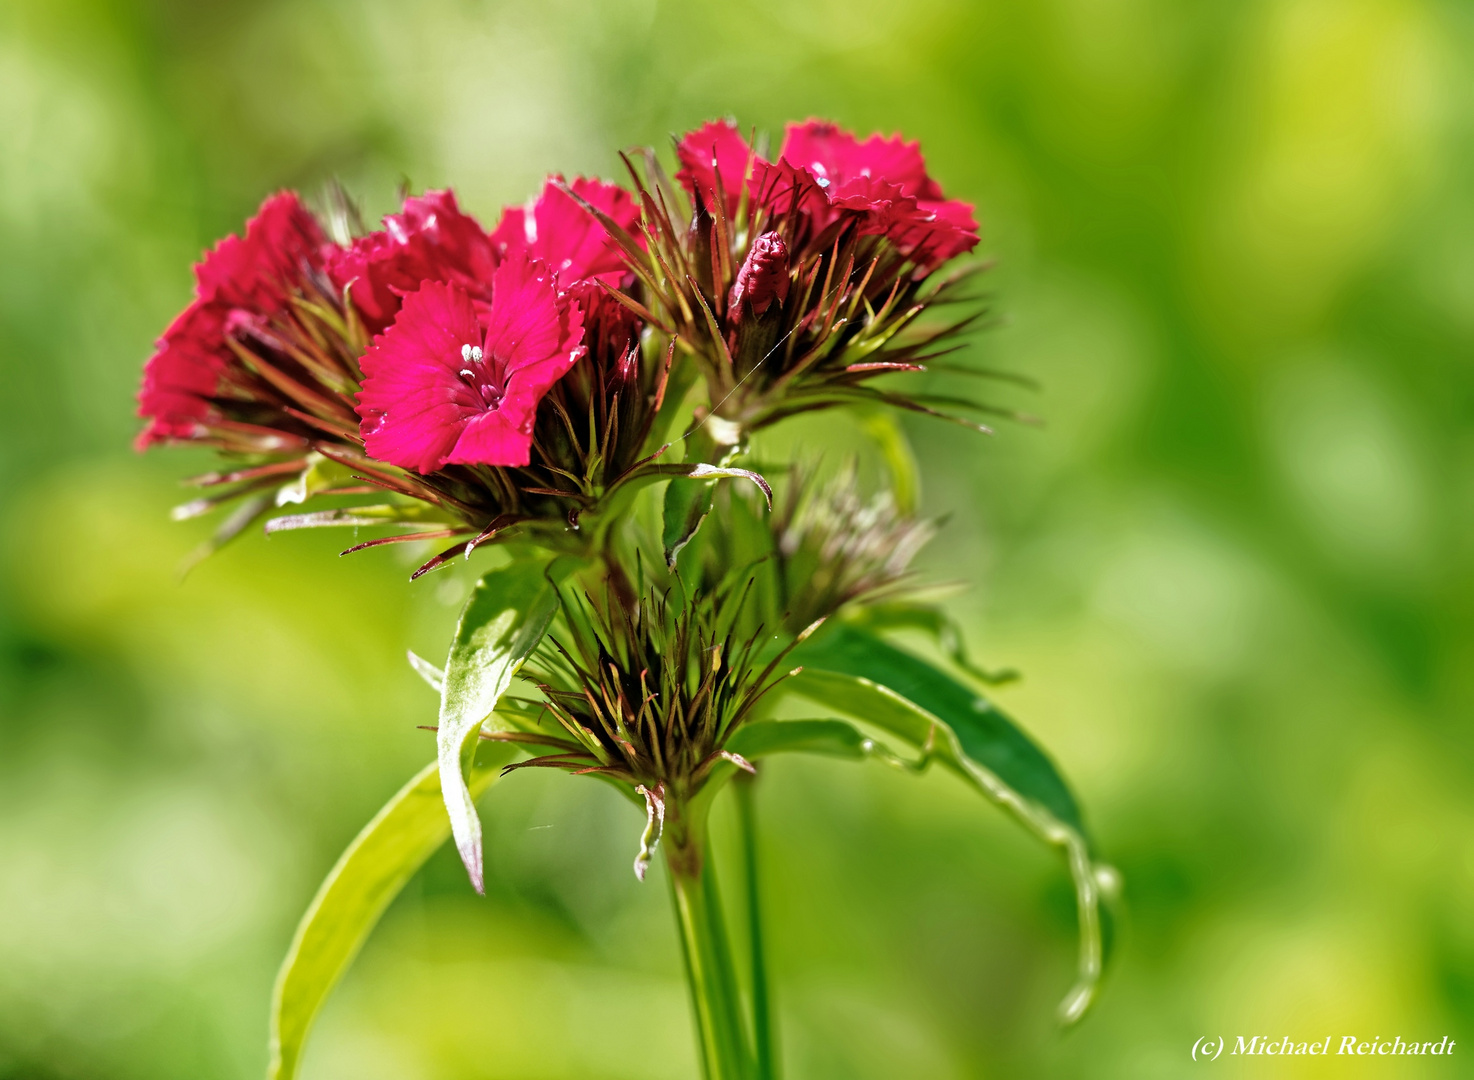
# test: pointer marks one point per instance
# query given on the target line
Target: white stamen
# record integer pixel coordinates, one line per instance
(467, 373)
(466, 353)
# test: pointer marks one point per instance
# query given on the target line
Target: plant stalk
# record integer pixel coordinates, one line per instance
(716, 1000)
(762, 1004)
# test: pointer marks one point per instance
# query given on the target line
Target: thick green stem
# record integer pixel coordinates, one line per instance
(762, 1006)
(715, 997)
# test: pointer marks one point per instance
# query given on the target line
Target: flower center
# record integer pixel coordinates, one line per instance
(477, 376)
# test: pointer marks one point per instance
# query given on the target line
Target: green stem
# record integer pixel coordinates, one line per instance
(762, 1007)
(715, 998)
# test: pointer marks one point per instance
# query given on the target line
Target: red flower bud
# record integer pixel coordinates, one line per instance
(763, 277)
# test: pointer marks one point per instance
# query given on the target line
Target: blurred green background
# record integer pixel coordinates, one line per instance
(1235, 242)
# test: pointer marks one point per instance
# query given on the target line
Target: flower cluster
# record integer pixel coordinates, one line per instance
(523, 384)
(496, 383)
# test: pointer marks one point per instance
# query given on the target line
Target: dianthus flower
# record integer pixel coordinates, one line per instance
(429, 240)
(198, 386)
(797, 282)
(886, 180)
(448, 384)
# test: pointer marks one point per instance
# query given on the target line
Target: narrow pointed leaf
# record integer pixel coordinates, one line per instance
(851, 670)
(831, 738)
(700, 470)
(940, 627)
(427, 671)
(376, 866)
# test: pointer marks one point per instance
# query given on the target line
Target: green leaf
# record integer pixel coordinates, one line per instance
(358, 517)
(432, 675)
(391, 847)
(985, 734)
(938, 625)
(505, 617)
(832, 738)
(700, 470)
(686, 507)
(322, 474)
(848, 669)
(885, 429)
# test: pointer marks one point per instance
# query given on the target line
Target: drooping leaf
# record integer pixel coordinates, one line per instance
(321, 474)
(983, 731)
(940, 627)
(686, 507)
(355, 517)
(854, 672)
(505, 617)
(368, 875)
(700, 470)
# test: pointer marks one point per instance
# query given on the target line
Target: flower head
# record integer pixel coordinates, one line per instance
(717, 148)
(555, 229)
(196, 385)
(885, 181)
(429, 240)
(454, 382)
(809, 277)
(836, 158)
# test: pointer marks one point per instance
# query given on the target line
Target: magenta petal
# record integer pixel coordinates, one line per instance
(429, 240)
(457, 381)
(948, 230)
(556, 230)
(522, 323)
(414, 402)
(835, 155)
(716, 145)
(493, 438)
(255, 271)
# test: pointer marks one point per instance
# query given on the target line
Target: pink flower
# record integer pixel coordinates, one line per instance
(256, 272)
(430, 240)
(456, 382)
(254, 275)
(885, 180)
(835, 157)
(717, 146)
(556, 230)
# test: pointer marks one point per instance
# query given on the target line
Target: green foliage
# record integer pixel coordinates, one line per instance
(1233, 245)
(363, 882)
(850, 670)
(505, 618)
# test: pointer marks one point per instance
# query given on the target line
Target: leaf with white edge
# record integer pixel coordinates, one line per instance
(367, 877)
(357, 516)
(700, 470)
(505, 617)
(321, 474)
(686, 507)
(427, 671)
(857, 673)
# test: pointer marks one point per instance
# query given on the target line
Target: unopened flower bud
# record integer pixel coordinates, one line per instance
(763, 277)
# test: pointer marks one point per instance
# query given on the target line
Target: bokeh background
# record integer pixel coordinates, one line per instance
(1235, 243)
